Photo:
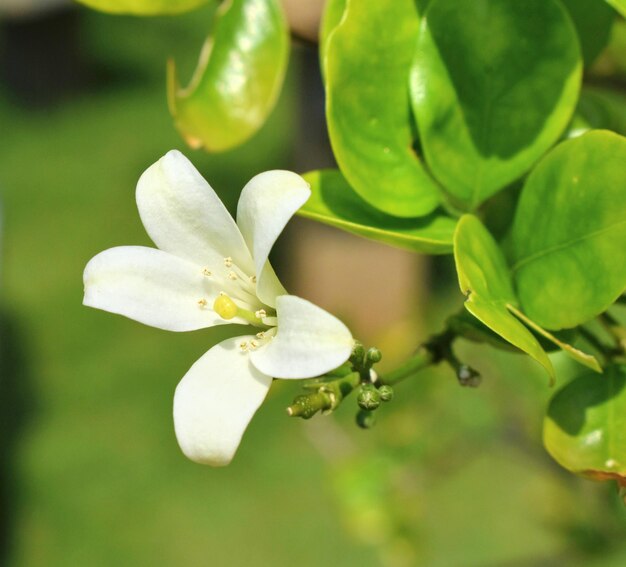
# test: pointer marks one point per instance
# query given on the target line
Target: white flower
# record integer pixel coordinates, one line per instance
(209, 270)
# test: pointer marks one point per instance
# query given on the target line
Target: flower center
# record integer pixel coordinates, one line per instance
(238, 296)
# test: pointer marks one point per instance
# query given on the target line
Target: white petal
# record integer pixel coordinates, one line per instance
(309, 341)
(184, 216)
(152, 287)
(215, 401)
(268, 286)
(266, 204)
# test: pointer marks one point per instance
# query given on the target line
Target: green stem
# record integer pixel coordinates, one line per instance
(326, 398)
(423, 358)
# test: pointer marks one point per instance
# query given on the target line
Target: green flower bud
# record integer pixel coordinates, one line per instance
(467, 376)
(358, 353)
(386, 393)
(365, 419)
(368, 397)
(374, 355)
(302, 407)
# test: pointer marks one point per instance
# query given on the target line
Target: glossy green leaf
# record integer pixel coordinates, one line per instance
(143, 7)
(569, 233)
(333, 12)
(238, 78)
(593, 21)
(585, 428)
(467, 326)
(485, 281)
(493, 86)
(619, 5)
(367, 63)
(578, 355)
(334, 202)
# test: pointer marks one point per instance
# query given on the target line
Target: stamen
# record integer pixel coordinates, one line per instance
(202, 302)
(253, 344)
(228, 262)
(232, 276)
(260, 335)
(206, 272)
(253, 279)
(260, 314)
(243, 346)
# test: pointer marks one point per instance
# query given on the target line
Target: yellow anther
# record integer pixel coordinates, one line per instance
(225, 307)
(232, 276)
(260, 314)
(260, 335)
(206, 272)
(253, 344)
(253, 279)
(243, 346)
(202, 302)
(228, 262)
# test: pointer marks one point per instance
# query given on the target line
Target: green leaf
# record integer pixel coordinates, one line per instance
(619, 5)
(334, 202)
(593, 22)
(333, 12)
(578, 355)
(467, 326)
(238, 78)
(585, 428)
(484, 279)
(368, 57)
(143, 7)
(493, 86)
(568, 251)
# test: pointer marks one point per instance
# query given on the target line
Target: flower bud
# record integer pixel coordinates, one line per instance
(365, 419)
(386, 393)
(467, 376)
(358, 353)
(374, 355)
(368, 398)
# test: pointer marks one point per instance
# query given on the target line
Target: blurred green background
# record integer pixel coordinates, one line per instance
(90, 470)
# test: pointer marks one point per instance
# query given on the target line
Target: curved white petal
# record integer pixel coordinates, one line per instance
(268, 286)
(184, 216)
(152, 287)
(266, 204)
(215, 401)
(309, 341)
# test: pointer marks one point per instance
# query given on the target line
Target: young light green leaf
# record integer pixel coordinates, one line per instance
(493, 86)
(578, 355)
(568, 252)
(143, 7)
(367, 62)
(593, 22)
(484, 279)
(585, 428)
(333, 12)
(619, 5)
(238, 78)
(465, 325)
(334, 202)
